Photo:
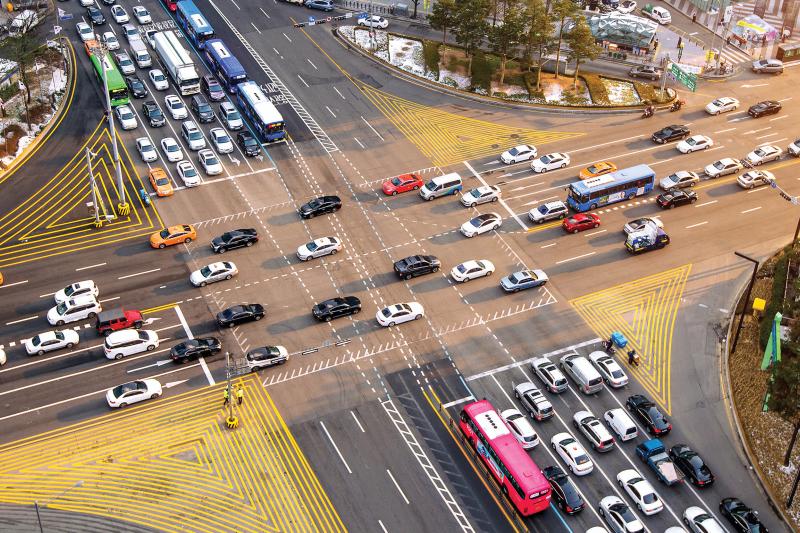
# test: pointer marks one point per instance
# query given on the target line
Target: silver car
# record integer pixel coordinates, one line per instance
(770, 66)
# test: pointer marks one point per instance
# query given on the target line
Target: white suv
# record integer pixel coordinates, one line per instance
(74, 309)
(548, 211)
(130, 342)
(230, 116)
(192, 135)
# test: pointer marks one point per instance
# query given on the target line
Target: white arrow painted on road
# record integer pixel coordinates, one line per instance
(746, 86)
(174, 383)
(490, 163)
(157, 363)
(234, 160)
(149, 321)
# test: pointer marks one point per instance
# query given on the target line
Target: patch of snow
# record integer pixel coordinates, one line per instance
(620, 92)
(406, 54)
(552, 92)
(462, 82)
(58, 82)
(363, 38)
(788, 470)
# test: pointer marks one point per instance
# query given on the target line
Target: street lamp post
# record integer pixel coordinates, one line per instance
(36, 503)
(746, 298)
(89, 156)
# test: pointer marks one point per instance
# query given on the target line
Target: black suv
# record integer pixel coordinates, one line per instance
(95, 16)
(153, 113)
(248, 144)
(234, 239)
(239, 314)
(692, 465)
(416, 265)
(767, 107)
(320, 206)
(135, 86)
(336, 308)
(564, 491)
(671, 133)
(194, 348)
(202, 108)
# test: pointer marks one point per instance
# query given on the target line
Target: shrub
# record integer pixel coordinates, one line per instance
(430, 51)
(597, 90)
(648, 91)
(6, 93)
(500, 94)
(775, 300)
(569, 97)
(481, 72)
(450, 82)
(452, 63)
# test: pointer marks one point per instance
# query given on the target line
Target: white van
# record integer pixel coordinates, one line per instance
(441, 186)
(621, 424)
(127, 342)
(23, 23)
(140, 54)
(585, 376)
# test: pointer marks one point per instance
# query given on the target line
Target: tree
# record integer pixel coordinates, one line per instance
(784, 397)
(23, 50)
(443, 17)
(582, 45)
(505, 37)
(562, 10)
(471, 26)
(539, 34)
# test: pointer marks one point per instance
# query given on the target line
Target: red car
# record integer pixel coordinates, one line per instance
(580, 222)
(402, 183)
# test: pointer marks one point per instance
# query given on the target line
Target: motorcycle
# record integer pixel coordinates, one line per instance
(676, 105)
(144, 196)
(649, 111)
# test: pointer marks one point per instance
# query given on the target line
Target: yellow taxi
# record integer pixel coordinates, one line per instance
(597, 169)
(160, 182)
(182, 233)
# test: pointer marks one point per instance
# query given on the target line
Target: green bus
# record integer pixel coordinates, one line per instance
(117, 89)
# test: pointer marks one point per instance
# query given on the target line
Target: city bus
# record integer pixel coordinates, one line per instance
(172, 5)
(224, 64)
(609, 188)
(266, 120)
(117, 90)
(519, 477)
(193, 23)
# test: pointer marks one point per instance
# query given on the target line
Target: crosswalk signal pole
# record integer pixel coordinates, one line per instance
(232, 421)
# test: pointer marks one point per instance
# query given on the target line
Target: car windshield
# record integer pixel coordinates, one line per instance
(204, 108)
(223, 139)
(189, 172)
(582, 459)
(195, 135)
(546, 159)
(173, 148)
(593, 169)
(650, 498)
(159, 77)
(249, 141)
(513, 151)
(719, 165)
(36, 341)
(461, 268)
(312, 246)
(475, 192)
(175, 104)
(396, 181)
(760, 152)
(205, 271)
(691, 141)
(232, 115)
(124, 113)
(125, 61)
(162, 181)
(625, 513)
(62, 308)
(211, 160)
(386, 312)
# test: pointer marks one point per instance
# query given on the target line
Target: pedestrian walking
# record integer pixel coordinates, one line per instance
(694, 16)
(680, 41)
(226, 396)
(680, 51)
(239, 395)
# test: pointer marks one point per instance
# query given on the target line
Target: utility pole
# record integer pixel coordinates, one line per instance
(97, 222)
(746, 297)
(664, 65)
(122, 207)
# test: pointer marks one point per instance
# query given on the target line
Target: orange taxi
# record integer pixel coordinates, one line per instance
(183, 233)
(597, 169)
(90, 46)
(160, 182)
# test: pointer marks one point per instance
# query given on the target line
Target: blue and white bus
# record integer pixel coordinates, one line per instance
(193, 23)
(225, 65)
(266, 120)
(609, 188)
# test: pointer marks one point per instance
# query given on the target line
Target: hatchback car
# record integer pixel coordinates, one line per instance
(679, 180)
(119, 14)
(564, 491)
(594, 431)
(210, 162)
(648, 414)
(580, 222)
(160, 182)
(153, 114)
(645, 71)
(73, 310)
(124, 63)
(743, 518)
(640, 491)
(548, 211)
(194, 349)
(373, 21)
(50, 341)
(266, 356)
(698, 520)
(755, 178)
(399, 313)
(619, 516)
(471, 270)
(481, 224)
(609, 369)
(524, 279)
(126, 342)
(676, 198)
(76, 289)
(320, 206)
(110, 40)
(767, 107)
(416, 265)
(402, 183)
(133, 392)
(692, 465)
(212, 273)
(94, 14)
(222, 142)
(237, 238)
(770, 66)
(322, 5)
(192, 135)
(521, 428)
(572, 453)
(172, 150)
(201, 108)
(142, 15)
(722, 105)
(671, 133)
(85, 32)
(175, 107)
(160, 81)
(188, 174)
(127, 120)
(239, 314)
(694, 144)
(723, 167)
(211, 88)
(248, 144)
(550, 375)
(523, 152)
(597, 169)
(319, 248)
(180, 234)
(764, 154)
(336, 308)
(480, 195)
(549, 162)
(146, 150)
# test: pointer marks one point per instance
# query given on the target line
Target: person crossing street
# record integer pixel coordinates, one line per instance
(239, 394)
(226, 396)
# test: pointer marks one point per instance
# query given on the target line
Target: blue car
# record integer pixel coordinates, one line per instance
(524, 279)
(323, 5)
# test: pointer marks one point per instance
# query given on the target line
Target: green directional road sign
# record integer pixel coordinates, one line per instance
(686, 78)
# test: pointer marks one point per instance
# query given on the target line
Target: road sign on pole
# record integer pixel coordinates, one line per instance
(687, 79)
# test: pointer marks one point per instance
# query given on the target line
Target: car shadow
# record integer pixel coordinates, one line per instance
(484, 294)
(447, 205)
(283, 219)
(431, 283)
(381, 279)
(295, 323)
(275, 262)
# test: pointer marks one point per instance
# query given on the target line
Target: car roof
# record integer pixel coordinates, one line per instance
(123, 335)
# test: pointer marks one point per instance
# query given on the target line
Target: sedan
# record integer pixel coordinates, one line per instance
(221, 141)
(770, 66)
(319, 248)
(692, 465)
(755, 178)
(645, 71)
(237, 238)
(188, 174)
(520, 153)
(402, 183)
(153, 114)
(146, 150)
(628, 6)
(640, 491)
(373, 21)
(130, 32)
(239, 314)
(722, 105)
(416, 265)
(572, 453)
(521, 428)
(597, 169)
(580, 222)
(213, 273)
(694, 143)
(639, 224)
(472, 269)
(135, 86)
(142, 15)
(194, 349)
(320, 206)
(744, 519)
(248, 144)
(564, 491)
(266, 356)
(160, 81)
(723, 167)
(95, 15)
(524, 279)
(126, 118)
(336, 308)
(180, 234)
(110, 40)
(619, 516)
(160, 182)
(679, 180)
(764, 154)
(133, 392)
(399, 313)
(50, 341)
(767, 107)
(648, 414)
(172, 150)
(76, 289)
(609, 369)
(671, 133)
(119, 14)
(481, 224)
(176, 107)
(699, 521)
(550, 162)
(480, 195)
(125, 63)
(209, 161)
(85, 32)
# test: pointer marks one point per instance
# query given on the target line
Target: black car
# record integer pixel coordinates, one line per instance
(648, 414)
(416, 265)
(234, 239)
(767, 107)
(320, 206)
(248, 144)
(675, 198)
(135, 86)
(744, 519)
(239, 314)
(194, 348)
(336, 308)
(153, 113)
(202, 108)
(95, 16)
(692, 465)
(671, 133)
(564, 491)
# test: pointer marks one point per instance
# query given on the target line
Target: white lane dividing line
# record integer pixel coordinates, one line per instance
(21, 320)
(757, 189)
(596, 232)
(20, 283)
(265, 13)
(383, 528)
(779, 118)
(331, 112)
(190, 335)
(335, 447)
(696, 225)
(663, 161)
(104, 300)
(747, 86)
(140, 273)
(255, 27)
(46, 295)
(90, 266)
(706, 203)
(340, 94)
(723, 131)
(312, 64)
(357, 422)
(548, 245)
(373, 129)
(359, 143)
(604, 144)
(574, 258)
(502, 202)
(773, 141)
(398, 487)
(237, 5)
(287, 37)
(750, 210)
(767, 135)
(785, 99)
(302, 80)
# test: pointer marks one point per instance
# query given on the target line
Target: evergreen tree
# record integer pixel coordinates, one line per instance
(784, 397)
(562, 10)
(582, 45)
(471, 26)
(505, 37)
(443, 16)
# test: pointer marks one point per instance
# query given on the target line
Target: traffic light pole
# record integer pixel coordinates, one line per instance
(97, 221)
(122, 207)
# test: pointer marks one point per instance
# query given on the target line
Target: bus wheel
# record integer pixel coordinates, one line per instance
(593, 206)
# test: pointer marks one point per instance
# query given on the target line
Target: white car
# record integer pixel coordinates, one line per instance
(481, 224)
(126, 118)
(550, 162)
(85, 32)
(146, 150)
(723, 167)
(549, 211)
(794, 148)
(399, 313)
(213, 273)
(679, 180)
(192, 135)
(74, 309)
(142, 15)
(124, 63)
(755, 178)
(188, 174)
(722, 105)
(160, 81)
(628, 6)
(641, 492)
(572, 453)
(119, 14)
(521, 428)
(76, 289)
(172, 150)
(87, 3)
(133, 392)
(472, 269)
(318, 248)
(51, 340)
(520, 153)
(694, 143)
(659, 14)
(619, 516)
(699, 521)
(639, 224)
(222, 142)
(110, 40)
(550, 375)
(764, 154)
(209, 162)
(131, 33)
(374, 21)
(175, 107)
(608, 367)
(620, 423)
(480, 195)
